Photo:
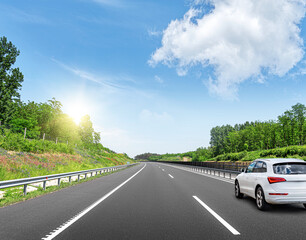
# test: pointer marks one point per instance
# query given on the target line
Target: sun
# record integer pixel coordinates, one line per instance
(76, 115)
(76, 111)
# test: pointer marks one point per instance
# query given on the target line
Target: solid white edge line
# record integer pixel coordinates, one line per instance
(170, 176)
(220, 219)
(70, 222)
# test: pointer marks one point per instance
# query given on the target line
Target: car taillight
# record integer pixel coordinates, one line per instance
(276, 179)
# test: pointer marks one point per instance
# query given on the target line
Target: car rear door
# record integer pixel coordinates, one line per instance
(248, 178)
(251, 180)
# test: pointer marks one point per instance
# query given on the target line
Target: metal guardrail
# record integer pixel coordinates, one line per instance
(232, 166)
(212, 171)
(44, 179)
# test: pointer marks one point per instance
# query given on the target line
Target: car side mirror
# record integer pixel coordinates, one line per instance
(243, 170)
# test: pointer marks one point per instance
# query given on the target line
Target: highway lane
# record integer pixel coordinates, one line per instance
(280, 222)
(150, 206)
(34, 218)
(159, 202)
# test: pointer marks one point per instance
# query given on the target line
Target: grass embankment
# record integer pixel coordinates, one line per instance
(22, 165)
(21, 158)
(45, 158)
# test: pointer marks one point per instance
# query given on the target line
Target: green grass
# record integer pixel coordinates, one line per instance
(15, 195)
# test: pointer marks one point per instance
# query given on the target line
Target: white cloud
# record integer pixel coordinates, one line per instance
(112, 3)
(23, 16)
(158, 79)
(101, 80)
(154, 33)
(240, 39)
(147, 115)
(302, 69)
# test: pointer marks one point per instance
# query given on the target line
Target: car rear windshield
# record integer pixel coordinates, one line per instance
(289, 168)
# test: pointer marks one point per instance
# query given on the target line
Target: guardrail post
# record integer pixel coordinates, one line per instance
(44, 185)
(25, 189)
(70, 179)
(230, 176)
(85, 175)
(91, 174)
(78, 177)
(58, 181)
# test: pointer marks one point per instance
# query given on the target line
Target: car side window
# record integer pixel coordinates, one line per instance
(251, 167)
(260, 167)
(264, 167)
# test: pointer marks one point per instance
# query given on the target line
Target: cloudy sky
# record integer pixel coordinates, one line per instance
(154, 75)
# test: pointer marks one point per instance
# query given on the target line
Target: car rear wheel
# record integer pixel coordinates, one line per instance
(304, 205)
(238, 194)
(260, 199)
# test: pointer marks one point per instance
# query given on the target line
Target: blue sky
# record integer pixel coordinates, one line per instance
(156, 76)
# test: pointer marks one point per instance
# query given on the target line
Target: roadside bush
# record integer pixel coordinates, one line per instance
(299, 151)
(16, 142)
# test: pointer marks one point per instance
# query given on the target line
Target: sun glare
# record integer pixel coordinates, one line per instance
(76, 111)
(76, 115)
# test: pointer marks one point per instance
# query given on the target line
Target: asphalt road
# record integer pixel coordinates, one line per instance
(150, 201)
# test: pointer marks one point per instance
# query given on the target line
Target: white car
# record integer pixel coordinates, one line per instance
(273, 181)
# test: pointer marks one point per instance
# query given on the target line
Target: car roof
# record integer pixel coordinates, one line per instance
(280, 160)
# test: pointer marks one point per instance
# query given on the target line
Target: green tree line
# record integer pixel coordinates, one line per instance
(41, 120)
(288, 130)
(227, 141)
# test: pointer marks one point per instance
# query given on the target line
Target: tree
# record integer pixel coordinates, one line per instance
(97, 137)
(218, 138)
(86, 130)
(65, 129)
(299, 113)
(10, 80)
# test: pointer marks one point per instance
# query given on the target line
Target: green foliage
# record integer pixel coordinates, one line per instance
(18, 125)
(147, 156)
(10, 80)
(246, 142)
(299, 151)
(86, 130)
(288, 130)
(16, 142)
